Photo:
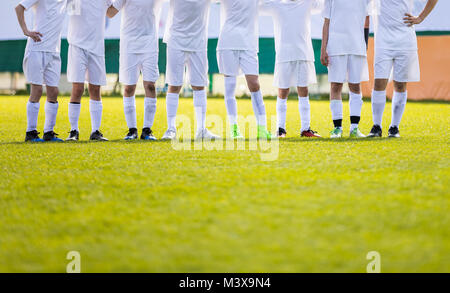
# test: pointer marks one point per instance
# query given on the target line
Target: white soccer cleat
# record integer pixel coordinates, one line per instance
(205, 134)
(170, 134)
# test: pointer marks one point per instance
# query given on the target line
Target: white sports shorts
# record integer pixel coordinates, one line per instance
(348, 68)
(237, 62)
(84, 66)
(403, 64)
(195, 64)
(294, 74)
(131, 66)
(42, 68)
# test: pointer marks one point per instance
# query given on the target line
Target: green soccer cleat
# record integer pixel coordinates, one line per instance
(263, 133)
(356, 133)
(235, 133)
(336, 132)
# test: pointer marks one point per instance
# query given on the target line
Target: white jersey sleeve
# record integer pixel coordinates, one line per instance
(118, 4)
(326, 13)
(27, 4)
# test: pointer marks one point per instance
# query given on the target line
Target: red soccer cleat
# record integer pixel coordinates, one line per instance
(310, 133)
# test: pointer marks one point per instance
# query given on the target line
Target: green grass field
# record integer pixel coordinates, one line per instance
(145, 207)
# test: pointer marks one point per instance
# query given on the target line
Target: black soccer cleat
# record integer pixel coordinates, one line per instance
(376, 131)
(33, 136)
(51, 136)
(393, 132)
(74, 135)
(97, 136)
(281, 132)
(132, 134)
(147, 134)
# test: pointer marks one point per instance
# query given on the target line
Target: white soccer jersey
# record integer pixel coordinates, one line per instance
(392, 33)
(292, 22)
(49, 18)
(347, 19)
(87, 25)
(139, 26)
(187, 27)
(239, 25)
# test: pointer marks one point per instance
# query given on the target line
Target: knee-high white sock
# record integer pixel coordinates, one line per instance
(74, 115)
(378, 104)
(51, 110)
(355, 104)
(305, 113)
(172, 108)
(230, 98)
(32, 115)
(200, 109)
(259, 108)
(149, 111)
(129, 108)
(96, 109)
(336, 109)
(398, 107)
(281, 112)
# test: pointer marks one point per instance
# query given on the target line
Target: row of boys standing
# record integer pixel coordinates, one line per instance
(344, 43)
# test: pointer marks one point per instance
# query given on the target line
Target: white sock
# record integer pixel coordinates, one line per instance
(129, 108)
(149, 111)
(230, 98)
(398, 107)
(305, 113)
(281, 112)
(259, 108)
(355, 104)
(51, 109)
(378, 104)
(32, 115)
(336, 109)
(172, 108)
(200, 109)
(74, 115)
(96, 109)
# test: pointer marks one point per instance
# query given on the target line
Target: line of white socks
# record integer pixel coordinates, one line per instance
(74, 115)
(171, 109)
(259, 108)
(379, 103)
(95, 109)
(32, 115)
(355, 104)
(51, 110)
(200, 105)
(304, 111)
(230, 99)
(336, 109)
(398, 107)
(281, 112)
(149, 111)
(129, 106)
